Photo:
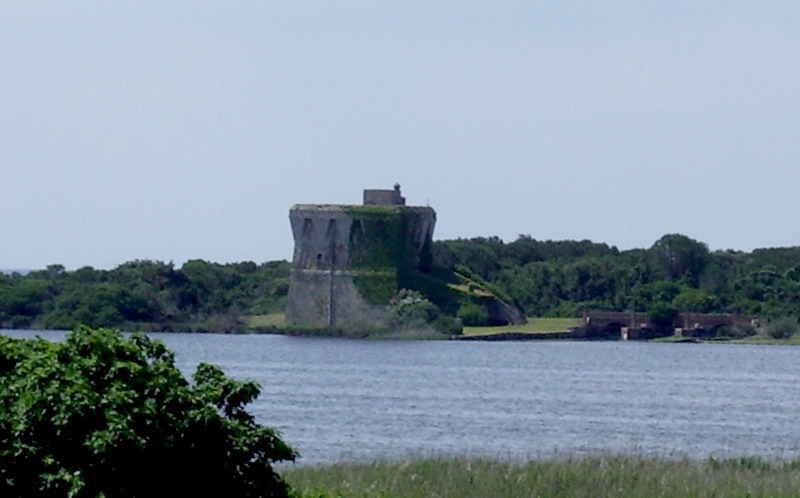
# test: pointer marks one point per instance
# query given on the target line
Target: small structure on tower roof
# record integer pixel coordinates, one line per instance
(375, 197)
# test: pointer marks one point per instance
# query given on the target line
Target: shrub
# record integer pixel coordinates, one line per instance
(782, 328)
(104, 415)
(449, 325)
(662, 314)
(473, 314)
(409, 310)
(737, 331)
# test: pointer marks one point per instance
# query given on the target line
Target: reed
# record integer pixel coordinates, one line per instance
(589, 476)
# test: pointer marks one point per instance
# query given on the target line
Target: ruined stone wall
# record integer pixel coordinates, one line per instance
(350, 260)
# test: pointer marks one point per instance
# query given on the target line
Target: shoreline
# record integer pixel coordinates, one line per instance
(498, 336)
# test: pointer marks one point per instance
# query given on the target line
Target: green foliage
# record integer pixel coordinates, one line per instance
(659, 292)
(544, 278)
(378, 238)
(678, 256)
(694, 300)
(145, 295)
(434, 286)
(409, 310)
(737, 331)
(662, 314)
(22, 300)
(473, 314)
(477, 283)
(376, 287)
(782, 328)
(103, 304)
(380, 249)
(102, 415)
(491, 257)
(448, 325)
(560, 278)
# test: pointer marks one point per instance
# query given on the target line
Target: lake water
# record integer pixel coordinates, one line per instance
(337, 399)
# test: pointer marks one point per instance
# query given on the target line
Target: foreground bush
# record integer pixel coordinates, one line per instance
(102, 415)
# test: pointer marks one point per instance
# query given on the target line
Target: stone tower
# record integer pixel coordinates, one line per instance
(350, 260)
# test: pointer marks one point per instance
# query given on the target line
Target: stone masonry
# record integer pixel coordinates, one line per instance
(349, 260)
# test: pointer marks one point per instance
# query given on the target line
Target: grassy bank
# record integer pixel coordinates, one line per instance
(760, 339)
(271, 321)
(605, 475)
(276, 321)
(534, 326)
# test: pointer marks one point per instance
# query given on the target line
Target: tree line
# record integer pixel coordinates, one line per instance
(543, 278)
(144, 295)
(677, 273)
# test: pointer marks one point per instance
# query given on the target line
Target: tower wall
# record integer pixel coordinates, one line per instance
(349, 261)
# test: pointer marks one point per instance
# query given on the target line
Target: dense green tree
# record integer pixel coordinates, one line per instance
(22, 300)
(662, 314)
(479, 254)
(104, 304)
(695, 300)
(644, 296)
(103, 415)
(678, 256)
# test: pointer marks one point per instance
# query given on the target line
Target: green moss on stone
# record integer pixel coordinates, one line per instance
(376, 287)
(379, 238)
(371, 210)
(381, 251)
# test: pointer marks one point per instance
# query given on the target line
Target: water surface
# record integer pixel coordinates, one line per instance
(337, 399)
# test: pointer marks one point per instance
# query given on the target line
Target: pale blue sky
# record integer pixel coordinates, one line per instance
(187, 129)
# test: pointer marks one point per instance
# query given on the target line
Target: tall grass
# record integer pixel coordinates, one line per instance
(592, 476)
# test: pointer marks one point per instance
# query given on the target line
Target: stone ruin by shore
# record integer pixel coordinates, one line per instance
(351, 260)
